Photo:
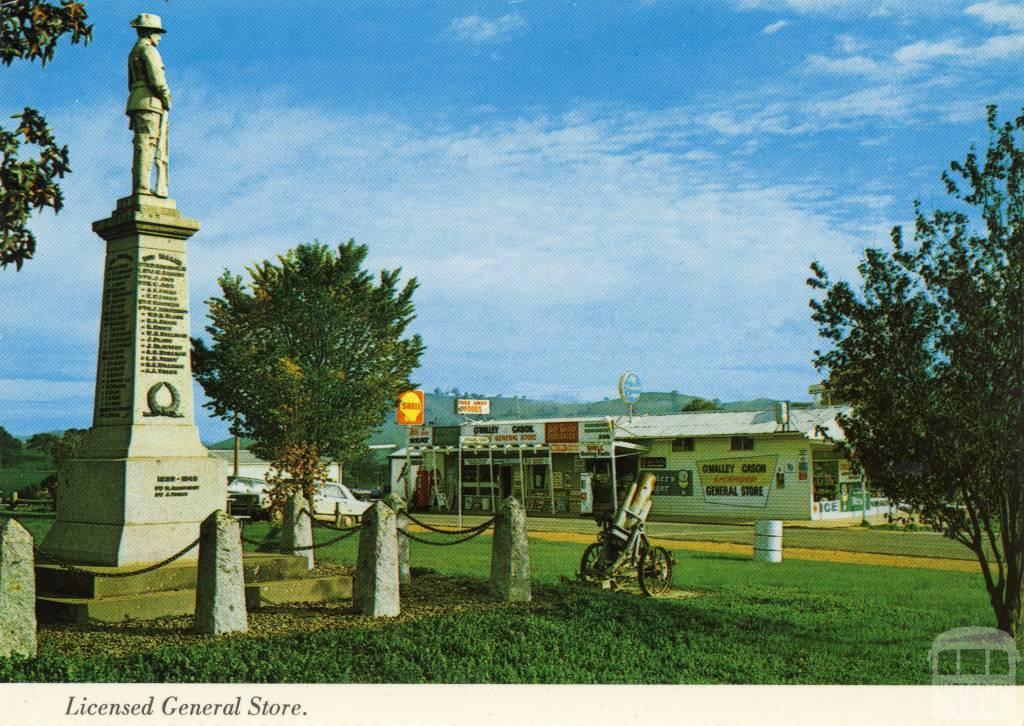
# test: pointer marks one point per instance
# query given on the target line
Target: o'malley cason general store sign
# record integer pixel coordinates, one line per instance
(739, 482)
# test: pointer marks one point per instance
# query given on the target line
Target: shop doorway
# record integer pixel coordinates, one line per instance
(503, 474)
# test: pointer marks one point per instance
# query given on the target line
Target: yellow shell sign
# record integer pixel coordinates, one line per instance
(410, 408)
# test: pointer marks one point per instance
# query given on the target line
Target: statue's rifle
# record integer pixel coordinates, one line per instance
(161, 151)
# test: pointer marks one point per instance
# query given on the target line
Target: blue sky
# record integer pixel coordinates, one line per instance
(580, 187)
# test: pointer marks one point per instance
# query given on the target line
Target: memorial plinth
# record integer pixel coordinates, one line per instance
(142, 482)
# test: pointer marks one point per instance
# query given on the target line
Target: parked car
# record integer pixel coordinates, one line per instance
(251, 497)
(248, 497)
(367, 495)
(337, 502)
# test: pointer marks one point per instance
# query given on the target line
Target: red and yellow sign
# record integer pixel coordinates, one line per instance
(410, 408)
(562, 432)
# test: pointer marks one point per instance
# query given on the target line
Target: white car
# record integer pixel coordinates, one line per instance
(251, 497)
(248, 497)
(337, 502)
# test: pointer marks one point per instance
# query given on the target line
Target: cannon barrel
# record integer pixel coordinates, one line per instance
(633, 511)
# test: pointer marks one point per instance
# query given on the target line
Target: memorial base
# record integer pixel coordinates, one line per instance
(119, 512)
(270, 579)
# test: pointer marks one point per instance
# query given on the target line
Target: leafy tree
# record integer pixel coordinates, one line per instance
(66, 447)
(42, 442)
(62, 449)
(10, 447)
(29, 30)
(930, 353)
(309, 355)
(702, 404)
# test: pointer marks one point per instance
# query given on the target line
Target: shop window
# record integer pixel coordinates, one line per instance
(741, 443)
(684, 444)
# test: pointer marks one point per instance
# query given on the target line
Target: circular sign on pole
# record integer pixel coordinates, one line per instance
(629, 387)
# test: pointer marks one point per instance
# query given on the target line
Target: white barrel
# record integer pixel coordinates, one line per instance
(768, 540)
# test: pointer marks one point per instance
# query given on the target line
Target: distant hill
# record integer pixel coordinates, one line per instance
(441, 411)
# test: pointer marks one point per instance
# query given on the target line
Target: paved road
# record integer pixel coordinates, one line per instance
(852, 538)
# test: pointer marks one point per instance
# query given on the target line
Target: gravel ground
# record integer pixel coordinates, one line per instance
(429, 595)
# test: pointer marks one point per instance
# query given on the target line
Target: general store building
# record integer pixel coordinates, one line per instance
(710, 465)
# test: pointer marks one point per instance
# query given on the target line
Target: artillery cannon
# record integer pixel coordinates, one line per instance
(622, 547)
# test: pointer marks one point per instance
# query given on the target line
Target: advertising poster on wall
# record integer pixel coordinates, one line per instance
(421, 436)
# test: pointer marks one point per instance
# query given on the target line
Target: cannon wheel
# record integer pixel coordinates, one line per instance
(656, 571)
(590, 557)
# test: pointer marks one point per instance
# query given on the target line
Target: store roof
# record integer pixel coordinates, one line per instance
(247, 457)
(729, 423)
(244, 456)
(806, 421)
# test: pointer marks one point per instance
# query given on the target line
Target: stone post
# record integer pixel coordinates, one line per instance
(375, 589)
(510, 554)
(17, 592)
(220, 589)
(398, 506)
(297, 529)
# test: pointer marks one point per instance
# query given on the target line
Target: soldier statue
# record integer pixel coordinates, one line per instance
(149, 100)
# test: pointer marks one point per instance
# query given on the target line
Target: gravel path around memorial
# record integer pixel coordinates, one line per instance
(429, 595)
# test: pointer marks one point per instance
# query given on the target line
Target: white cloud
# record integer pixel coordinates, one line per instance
(997, 13)
(927, 50)
(856, 65)
(477, 29)
(890, 101)
(774, 27)
(848, 8)
(847, 43)
(529, 237)
(1000, 47)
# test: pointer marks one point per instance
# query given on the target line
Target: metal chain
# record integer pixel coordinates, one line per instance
(323, 525)
(318, 545)
(450, 532)
(346, 533)
(150, 568)
(414, 538)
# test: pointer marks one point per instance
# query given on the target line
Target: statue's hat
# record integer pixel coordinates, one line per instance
(149, 22)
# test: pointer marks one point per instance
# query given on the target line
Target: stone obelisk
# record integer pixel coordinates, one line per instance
(142, 482)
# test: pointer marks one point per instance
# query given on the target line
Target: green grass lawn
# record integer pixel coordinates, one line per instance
(750, 622)
(31, 467)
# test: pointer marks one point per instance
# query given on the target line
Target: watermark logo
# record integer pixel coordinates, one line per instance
(963, 659)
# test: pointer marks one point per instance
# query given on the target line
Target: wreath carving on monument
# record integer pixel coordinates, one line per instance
(158, 409)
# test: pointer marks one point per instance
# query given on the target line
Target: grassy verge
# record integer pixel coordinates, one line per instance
(744, 622)
(31, 467)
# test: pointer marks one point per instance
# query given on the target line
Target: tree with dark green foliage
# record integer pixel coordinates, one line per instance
(702, 404)
(29, 30)
(930, 353)
(10, 448)
(42, 442)
(61, 449)
(308, 356)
